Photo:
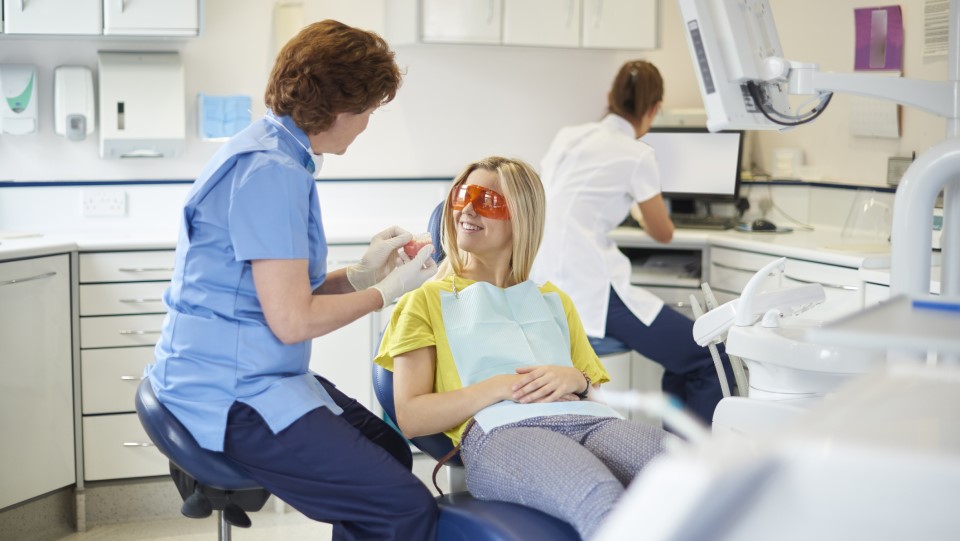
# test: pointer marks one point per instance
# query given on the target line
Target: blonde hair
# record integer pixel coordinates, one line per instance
(526, 202)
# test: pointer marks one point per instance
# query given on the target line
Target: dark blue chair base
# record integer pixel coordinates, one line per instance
(207, 481)
(464, 518)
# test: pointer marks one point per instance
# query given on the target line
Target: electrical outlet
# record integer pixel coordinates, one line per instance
(104, 203)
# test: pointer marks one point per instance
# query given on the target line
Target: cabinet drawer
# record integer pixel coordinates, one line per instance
(730, 270)
(110, 377)
(842, 287)
(126, 298)
(126, 266)
(114, 331)
(677, 298)
(116, 446)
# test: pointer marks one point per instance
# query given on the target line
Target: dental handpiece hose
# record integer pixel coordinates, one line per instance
(660, 406)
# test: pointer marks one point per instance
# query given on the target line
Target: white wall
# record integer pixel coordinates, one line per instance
(457, 103)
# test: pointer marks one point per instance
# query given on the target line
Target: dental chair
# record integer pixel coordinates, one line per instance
(463, 518)
(206, 480)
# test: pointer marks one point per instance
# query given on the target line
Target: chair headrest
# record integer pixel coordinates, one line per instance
(433, 226)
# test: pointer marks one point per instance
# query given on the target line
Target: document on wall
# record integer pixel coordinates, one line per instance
(878, 50)
(936, 28)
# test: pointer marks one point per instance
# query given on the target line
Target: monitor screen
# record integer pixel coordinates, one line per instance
(697, 164)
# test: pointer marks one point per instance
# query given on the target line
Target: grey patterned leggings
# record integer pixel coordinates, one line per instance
(574, 467)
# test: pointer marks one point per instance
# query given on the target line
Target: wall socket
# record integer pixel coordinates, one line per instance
(104, 203)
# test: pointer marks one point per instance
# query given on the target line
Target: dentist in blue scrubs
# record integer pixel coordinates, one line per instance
(251, 289)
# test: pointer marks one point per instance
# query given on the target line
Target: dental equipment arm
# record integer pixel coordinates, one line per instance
(752, 305)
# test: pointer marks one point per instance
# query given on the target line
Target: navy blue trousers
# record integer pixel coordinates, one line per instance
(689, 372)
(350, 470)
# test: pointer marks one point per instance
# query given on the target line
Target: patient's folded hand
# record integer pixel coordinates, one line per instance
(546, 383)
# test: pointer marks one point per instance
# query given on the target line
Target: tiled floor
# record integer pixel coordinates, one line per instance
(268, 524)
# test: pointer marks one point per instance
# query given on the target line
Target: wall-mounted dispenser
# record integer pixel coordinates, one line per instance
(73, 102)
(18, 94)
(142, 104)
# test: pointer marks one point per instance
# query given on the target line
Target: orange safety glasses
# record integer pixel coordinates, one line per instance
(486, 202)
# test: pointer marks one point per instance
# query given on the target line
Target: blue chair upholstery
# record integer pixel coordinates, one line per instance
(206, 480)
(607, 345)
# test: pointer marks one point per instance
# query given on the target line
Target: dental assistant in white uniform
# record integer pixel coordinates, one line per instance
(594, 175)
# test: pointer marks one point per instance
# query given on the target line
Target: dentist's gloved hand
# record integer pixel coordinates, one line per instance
(408, 276)
(381, 258)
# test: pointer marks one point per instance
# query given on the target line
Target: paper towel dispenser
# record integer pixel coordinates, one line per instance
(142, 104)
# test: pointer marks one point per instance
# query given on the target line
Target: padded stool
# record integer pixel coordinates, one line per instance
(206, 480)
(462, 517)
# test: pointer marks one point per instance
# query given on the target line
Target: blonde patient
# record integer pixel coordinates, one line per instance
(502, 365)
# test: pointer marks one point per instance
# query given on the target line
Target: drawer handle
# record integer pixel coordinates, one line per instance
(137, 444)
(146, 269)
(140, 301)
(139, 332)
(731, 267)
(131, 378)
(831, 286)
(28, 279)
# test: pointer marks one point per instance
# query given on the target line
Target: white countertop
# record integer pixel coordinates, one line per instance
(823, 245)
(18, 245)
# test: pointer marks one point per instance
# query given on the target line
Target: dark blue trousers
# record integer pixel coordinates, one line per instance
(689, 372)
(351, 470)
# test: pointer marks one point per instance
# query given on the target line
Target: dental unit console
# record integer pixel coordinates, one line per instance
(787, 373)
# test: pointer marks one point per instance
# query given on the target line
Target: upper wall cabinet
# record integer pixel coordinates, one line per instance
(541, 22)
(151, 17)
(620, 24)
(609, 24)
(102, 17)
(68, 17)
(461, 21)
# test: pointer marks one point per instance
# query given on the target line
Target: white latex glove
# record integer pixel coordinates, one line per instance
(381, 258)
(408, 276)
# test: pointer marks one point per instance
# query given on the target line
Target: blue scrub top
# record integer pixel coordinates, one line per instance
(256, 199)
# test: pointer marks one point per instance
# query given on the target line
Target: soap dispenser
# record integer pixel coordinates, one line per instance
(73, 102)
(18, 98)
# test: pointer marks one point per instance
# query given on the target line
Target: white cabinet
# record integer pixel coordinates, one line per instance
(107, 17)
(345, 356)
(609, 24)
(554, 23)
(121, 314)
(461, 21)
(730, 270)
(151, 17)
(620, 24)
(52, 17)
(36, 383)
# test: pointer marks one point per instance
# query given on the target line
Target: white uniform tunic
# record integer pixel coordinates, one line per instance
(592, 175)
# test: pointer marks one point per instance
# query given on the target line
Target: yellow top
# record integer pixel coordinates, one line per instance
(417, 322)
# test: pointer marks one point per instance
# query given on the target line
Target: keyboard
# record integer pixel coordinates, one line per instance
(685, 221)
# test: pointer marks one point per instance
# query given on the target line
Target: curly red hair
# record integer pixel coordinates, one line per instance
(330, 68)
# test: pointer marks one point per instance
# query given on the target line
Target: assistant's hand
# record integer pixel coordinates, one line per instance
(408, 276)
(547, 383)
(380, 259)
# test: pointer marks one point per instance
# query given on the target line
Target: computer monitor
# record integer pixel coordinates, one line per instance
(696, 165)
